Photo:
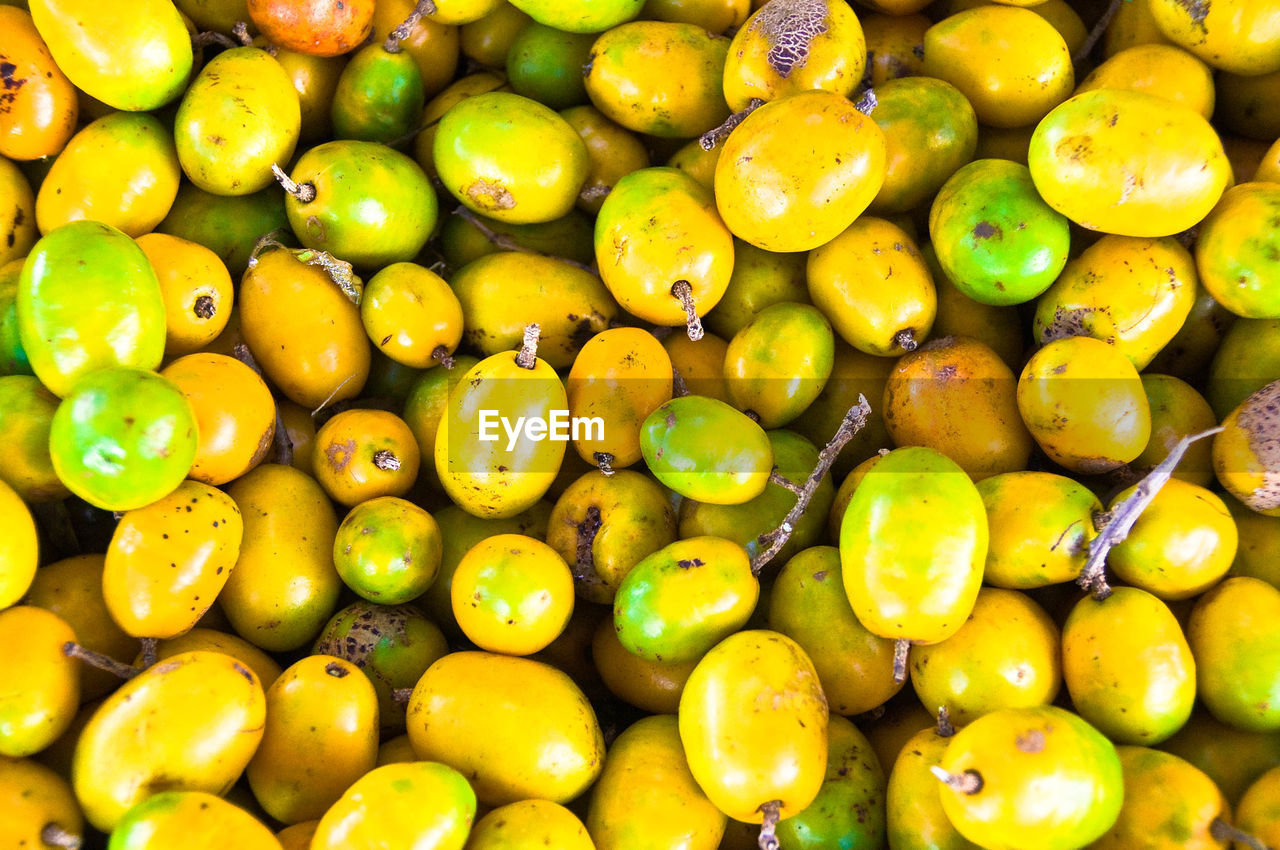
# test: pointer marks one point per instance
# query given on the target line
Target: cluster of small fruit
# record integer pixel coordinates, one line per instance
(595, 577)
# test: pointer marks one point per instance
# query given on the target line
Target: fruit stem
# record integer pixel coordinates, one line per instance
(604, 462)
(55, 836)
(1223, 831)
(776, 477)
(945, 729)
(867, 101)
(150, 652)
(679, 389)
(584, 565)
(241, 32)
(441, 355)
(400, 33)
(386, 460)
(204, 39)
(711, 138)
(969, 782)
(1096, 33)
(304, 192)
(906, 340)
(594, 192)
(774, 540)
(506, 242)
(1121, 518)
(684, 294)
(901, 649)
(401, 695)
(768, 828)
(528, 354)
(71, 649)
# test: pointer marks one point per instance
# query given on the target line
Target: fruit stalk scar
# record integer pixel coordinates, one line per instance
(945, 729)
(604, 462)
(1121, 518)
(774, 540)
(684, 294)
(304, 192)
(969, 782)
(71, 649)
(768, 828)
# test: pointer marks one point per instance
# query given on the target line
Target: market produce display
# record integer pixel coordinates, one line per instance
(640, 424)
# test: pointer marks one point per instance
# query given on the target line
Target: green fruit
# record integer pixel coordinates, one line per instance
(705, 450)
(580, 15)
(545, 64)
(88, 299)
(227, 225)
(1234, 634)
(380, 96)
(779, 362)
(995, 237)
(387, 550)
(123, 438)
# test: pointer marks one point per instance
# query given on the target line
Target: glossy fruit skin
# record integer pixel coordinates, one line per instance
(646, 798)
(387, 550)
(848, 281)
(1258, 813)
(492, 151)
(913, 805)
(512, 594)
(1020, 753)
(912, 545)
(227, 225)
(545, 64)
(795, 47)
(1240, 36)
(1128, 667)
(1235, 637)
(482, 476)
(159, 578)
(433, 43)
(1004, 656)
(305, 333)
(753, 722)
(620, 375)
(760, 279)
(284, 585)
(373, 205)
(1236, 254)
(529, 824)
(314, 27)
(123, 438)
(141, 65)
(1132, 178)
(685, 445)
(624, 82)
(379, 96)
(314, 78)
(651, 686)
(81, 263)
(1243, 457)
(33, 796)
(956, 395)
(19, 548)
(212, 710)
(18, 223)
(240, 116)
(1167, 803)
(1084, 404)
(1159, 69)
(1245, 361)
(200, 638)
(365, 454)
(408, 312)
(388, 802)
(930, 131)
(235, 414)
(849, 810)
(682, 600)
(1181, 545)
(778, 363)
(462, 712)
(780, 198)
(26, 414)
(196, 288)
(1011, 66)
(994, 236)
(195, 819)
(321, 736)
(1132, 293)
(41, 114)
(503, 292)
(43, 687)
(1040, 525)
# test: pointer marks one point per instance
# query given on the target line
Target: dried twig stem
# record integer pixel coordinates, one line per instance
(711, 138)
(772, 811)
(71, 649)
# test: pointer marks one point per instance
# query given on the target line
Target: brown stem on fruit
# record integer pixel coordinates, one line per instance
(241, 32)
(528, 354)
(386, 460)
(776, 477)
(71, 649)
(867, 101)
(400, 33)
(53, 835)
(969, 782)
(204, 39)
(1223, 831)
(604, 462)
(906, 340)
(1100, 520)
(401, 695)
(1120, 519)
(711, 138)
(283, 445)
(304, 192)
(584, 564)
(1096, 33)
(684, 294)
(204, 308)
(679, 389)
(263, 243)
(769, 827)
(774, 540)
(594, 192)
(1187, 238)
(506, 242)
(901, 650)
(945, 729)
(150, 652)
(441, 355)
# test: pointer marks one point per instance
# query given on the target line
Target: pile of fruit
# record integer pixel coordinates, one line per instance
(640, 425)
